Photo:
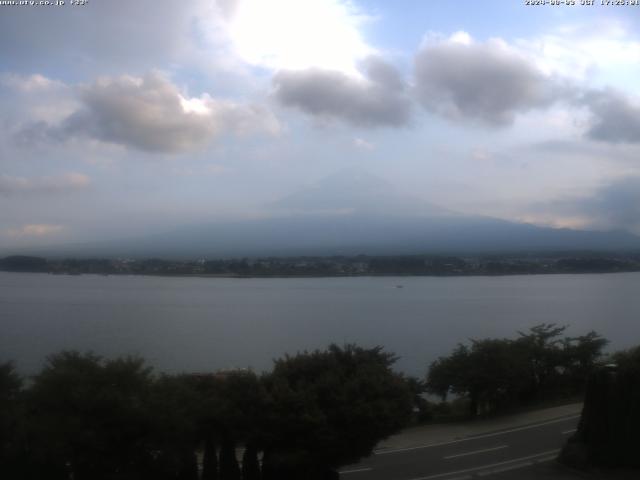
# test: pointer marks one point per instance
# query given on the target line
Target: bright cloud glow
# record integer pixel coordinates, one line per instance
(295, 35)
(607, 52)
(35, 230)
(461, 37)
(195, 105)
(68, 182)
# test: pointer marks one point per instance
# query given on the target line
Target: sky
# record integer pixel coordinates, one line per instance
(120, 118)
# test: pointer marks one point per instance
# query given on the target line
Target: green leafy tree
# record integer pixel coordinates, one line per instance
(231, 413)
(11, 421)
(449, 374)
(607, 434)
(543, 347)
(494, 374)
(489, 373)
(210, 459)
(173, 406)
(240, 406)
(330, 408)
(88, 417)
(229, 468)
(582, 355)
(421, 405)
(250, 463)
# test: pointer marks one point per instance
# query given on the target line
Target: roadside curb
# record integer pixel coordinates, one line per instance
(523, 426)
(441, 434)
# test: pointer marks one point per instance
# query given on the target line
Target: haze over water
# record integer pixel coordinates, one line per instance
(204, 324)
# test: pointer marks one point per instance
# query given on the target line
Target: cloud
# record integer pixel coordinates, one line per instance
(362, 144)
(487, 82)
(295, 35)
(108, 36)
(215, 169)
(481, 154)
(585, 51)
(29, 83)
(151, 114)
(615, 117)
(45, 185)
(205, 35)
(227, 8)
(33, 98)
(378, 99)
(35, 230)
(612, 206)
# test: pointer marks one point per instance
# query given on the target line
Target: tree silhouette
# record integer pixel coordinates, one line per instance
(330, 408)
(11, 421)
(607, 434)
(210, 459)
(497, 373)
(87, 416)
(250, 464)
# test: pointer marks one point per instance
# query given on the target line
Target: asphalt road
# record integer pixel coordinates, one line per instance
(471, 457)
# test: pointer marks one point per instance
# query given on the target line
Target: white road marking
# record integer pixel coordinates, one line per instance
(475, 452)
(523, 462)
(508, 468)
(567, 432)
(486, 435)
(357, 470)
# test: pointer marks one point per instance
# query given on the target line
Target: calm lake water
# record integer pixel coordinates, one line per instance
(201, 324)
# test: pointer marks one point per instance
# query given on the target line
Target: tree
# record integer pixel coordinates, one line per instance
(581, 358)
(607, 434)
(174, 406)
(330, 408)
(250, 464)
(489, 373)
(449, 374)
(421, 406)
(210, 459)
(229, 468)
(544, 355)
(11, 420)
(231, 411)
(88, 417)
(241, 400)
(23, 263)
(497, 373)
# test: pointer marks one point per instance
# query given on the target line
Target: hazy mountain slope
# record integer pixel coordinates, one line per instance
(352, 212)
(353, 234)
(354, 190)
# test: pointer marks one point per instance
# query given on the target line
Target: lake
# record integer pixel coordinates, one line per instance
(204, 324)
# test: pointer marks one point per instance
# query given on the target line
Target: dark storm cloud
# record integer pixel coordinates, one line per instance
(485, 82)
(380, 99)
(615, 118)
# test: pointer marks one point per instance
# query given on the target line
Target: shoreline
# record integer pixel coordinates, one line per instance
(309, 276)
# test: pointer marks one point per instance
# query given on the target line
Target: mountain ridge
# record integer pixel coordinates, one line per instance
(348, 213)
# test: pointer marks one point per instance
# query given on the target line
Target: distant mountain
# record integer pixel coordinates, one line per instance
(350, 213)
(354, 191)
(352, 234)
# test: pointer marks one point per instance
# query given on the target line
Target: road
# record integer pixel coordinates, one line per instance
(470, 457)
